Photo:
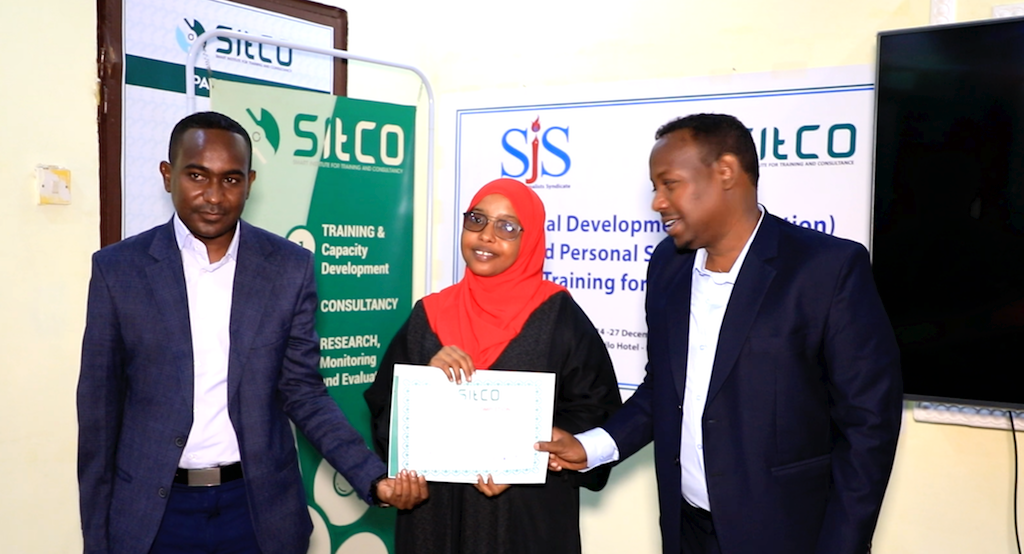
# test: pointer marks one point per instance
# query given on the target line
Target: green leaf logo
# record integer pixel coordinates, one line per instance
(269, 126)
(196, 27)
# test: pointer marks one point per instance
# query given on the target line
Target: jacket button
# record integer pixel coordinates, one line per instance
(676, 460)
(162, 492)
(712, 421)
(179, 442)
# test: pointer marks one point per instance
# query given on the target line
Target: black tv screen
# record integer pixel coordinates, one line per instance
(948, 220)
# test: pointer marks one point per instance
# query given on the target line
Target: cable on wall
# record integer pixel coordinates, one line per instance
(1016, 475)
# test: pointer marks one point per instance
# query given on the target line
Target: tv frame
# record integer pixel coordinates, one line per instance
(878, 65)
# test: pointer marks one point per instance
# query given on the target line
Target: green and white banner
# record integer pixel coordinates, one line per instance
(157, 37)
(336, 176)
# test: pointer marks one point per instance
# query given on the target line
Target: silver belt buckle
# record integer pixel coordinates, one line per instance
(207, 477)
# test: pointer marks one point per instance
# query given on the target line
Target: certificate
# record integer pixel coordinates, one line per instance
(452, 433)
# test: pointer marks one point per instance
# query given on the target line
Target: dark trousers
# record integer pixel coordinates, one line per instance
(207, 520)
(698, 531)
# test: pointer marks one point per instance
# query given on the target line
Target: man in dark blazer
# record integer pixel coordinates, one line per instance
(199, 347)
(773, 391)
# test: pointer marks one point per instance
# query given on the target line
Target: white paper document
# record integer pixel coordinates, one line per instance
(453, 433)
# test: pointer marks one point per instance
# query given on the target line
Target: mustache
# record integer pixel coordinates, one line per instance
(210, 209)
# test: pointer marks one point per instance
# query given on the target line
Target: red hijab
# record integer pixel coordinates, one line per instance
(481, 315)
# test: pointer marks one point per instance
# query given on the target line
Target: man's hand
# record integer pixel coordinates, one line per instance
(403, 492)
(455, 363)
(488, 487)
(564, 451)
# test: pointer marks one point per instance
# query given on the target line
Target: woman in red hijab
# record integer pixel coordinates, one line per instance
(502, 315)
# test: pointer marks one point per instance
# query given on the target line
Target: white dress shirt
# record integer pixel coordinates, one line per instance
(212, 441)
(709, 296)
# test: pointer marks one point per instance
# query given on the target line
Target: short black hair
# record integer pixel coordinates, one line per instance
(206, 120)
(717, 135)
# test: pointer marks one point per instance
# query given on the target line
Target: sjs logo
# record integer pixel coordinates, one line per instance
(541, 154)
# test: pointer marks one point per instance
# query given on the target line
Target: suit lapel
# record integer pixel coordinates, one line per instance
(167, 279)
(254, 276)
(678, 317)
(747, 294)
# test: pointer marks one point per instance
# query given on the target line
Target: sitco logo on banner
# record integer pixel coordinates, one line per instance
(268, 128)
(235, 50)
(335, 144)
(332, 140)
(808, 142)
(541, 155)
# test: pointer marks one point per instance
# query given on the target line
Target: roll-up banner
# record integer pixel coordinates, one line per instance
(157, 38)
(585, 151)
(336, 176)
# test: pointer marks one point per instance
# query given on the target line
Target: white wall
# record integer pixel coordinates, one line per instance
(47, 116)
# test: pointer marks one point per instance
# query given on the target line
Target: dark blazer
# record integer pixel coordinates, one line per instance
(135, 390)
(805, 400)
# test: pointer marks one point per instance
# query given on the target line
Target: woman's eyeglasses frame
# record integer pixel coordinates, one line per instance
(503, 228)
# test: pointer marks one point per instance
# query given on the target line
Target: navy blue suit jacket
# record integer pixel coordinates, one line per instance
(805, 400)
(135, 390)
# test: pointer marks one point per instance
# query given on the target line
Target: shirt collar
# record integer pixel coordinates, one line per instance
(701, 257)
(187, 242)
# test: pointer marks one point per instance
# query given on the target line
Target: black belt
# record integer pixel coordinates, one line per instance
(208, 477)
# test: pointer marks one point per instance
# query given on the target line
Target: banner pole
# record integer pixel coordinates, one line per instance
(190, 98)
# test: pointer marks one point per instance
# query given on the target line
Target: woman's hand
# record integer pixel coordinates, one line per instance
(488, 487)
(455, 363)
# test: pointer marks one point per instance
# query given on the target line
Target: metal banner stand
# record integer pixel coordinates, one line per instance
(190, 98)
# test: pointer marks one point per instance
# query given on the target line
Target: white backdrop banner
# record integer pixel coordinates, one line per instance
(157, 38)
(585, 152)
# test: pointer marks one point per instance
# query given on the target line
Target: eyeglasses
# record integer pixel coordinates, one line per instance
(503, 229)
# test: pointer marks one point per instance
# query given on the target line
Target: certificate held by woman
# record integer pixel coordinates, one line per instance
(500, 415)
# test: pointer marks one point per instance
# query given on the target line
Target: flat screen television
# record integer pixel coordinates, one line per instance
(948, 219)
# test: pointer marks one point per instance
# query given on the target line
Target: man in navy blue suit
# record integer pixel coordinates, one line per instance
(773, 391)
(199, 348)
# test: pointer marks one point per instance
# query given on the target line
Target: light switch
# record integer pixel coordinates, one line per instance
(53, 184)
